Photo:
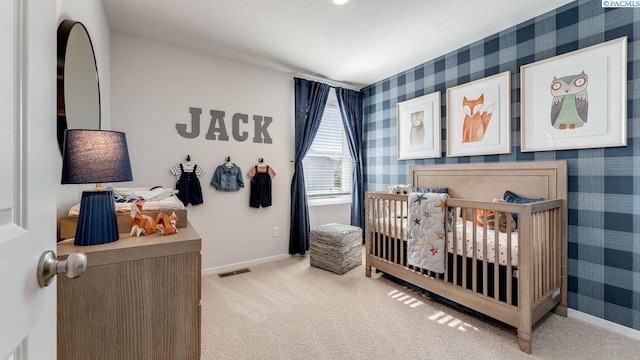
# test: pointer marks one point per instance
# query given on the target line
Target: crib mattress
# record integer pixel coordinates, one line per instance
(398, 227)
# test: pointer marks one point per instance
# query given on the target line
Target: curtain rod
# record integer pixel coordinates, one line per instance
(326, 81)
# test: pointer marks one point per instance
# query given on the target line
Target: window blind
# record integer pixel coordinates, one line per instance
(327, 166)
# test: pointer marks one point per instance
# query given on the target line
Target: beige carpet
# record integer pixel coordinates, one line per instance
(289, 310)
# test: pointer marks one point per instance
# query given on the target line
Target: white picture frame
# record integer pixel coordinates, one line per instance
(597, 112)
(479, 117)
(418, 123)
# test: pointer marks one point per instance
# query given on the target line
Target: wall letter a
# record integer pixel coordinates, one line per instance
(217, 116)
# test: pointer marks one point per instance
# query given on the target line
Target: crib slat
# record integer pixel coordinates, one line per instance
(391, 229)
(455, 262)
(496, 257)
(536, 266)
(509, 274)
(547, 281)
(454, 240)
(552, 242)
(557, 248)
(485, 275)
(541, 231)
(533, 262)
(397, 228)
(403, 233)
(463, 243)
(387, 225)
(474, 251)
(380, 227)
(371, 230)
(542, 252)
(532, 257)
(379, 230)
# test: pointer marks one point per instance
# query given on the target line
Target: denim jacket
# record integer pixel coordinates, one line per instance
(227, 178)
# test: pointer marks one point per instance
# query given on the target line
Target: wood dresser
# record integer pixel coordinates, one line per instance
(139, 299)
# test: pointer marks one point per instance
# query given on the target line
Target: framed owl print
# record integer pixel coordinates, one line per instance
(576, 100)
(418, 123)
(479, 117)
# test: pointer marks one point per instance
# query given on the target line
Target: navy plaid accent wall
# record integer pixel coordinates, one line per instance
(604, 183)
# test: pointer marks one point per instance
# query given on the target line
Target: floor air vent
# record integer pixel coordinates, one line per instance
(231, 273)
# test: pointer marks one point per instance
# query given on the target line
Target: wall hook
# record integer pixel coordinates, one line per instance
(188, 157)
(227, 159)
(260, 160)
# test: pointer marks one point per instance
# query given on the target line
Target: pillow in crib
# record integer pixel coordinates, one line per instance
(438, 190)
(513, 198)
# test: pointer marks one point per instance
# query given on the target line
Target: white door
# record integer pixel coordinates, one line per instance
(28, 166)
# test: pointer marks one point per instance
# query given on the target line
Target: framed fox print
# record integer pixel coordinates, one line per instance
(577, 100)
(479, 117)
(418, 124)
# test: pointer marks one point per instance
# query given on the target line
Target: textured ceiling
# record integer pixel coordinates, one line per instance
(355, 44)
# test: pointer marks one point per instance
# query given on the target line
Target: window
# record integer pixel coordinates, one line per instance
(327, 166)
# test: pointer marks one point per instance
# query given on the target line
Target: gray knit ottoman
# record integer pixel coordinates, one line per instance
(336, 247)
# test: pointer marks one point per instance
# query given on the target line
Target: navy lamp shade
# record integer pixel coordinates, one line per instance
(95, 156)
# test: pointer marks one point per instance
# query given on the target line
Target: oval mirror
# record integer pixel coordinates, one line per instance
(78, 84)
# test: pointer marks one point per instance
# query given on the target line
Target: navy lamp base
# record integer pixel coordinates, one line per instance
(97, 223)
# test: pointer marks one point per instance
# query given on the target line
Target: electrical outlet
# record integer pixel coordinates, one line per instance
(276, 231)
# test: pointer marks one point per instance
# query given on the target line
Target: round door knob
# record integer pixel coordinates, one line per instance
(49, 266)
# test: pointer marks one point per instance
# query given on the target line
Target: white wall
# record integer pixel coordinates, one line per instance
(325, 214)
(153, 87)
(92, 15)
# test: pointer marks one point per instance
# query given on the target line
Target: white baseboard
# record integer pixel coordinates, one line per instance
(606, 324)
(245, 264)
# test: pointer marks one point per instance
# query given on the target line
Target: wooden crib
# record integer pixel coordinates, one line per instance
(517, 283)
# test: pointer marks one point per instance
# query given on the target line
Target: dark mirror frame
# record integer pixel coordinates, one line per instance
(64, 30)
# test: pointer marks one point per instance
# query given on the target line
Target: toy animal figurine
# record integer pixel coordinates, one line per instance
(166, 223)
(400, 189)
(504, 221)
(142, 224)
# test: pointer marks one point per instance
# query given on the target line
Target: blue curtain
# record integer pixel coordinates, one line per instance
(310, 100)
(350, 103)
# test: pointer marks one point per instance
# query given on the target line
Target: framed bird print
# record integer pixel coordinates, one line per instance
(479, 117)
(576, 100)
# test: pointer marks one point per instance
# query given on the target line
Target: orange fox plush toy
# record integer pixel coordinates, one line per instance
(167, 224)
(142, 224)
(505, 221)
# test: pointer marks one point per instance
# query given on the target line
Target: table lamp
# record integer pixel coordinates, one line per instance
(95, 156)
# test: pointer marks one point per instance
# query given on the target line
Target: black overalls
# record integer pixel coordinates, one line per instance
(188, 186)
(260, 189)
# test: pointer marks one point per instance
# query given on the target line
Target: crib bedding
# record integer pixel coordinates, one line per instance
(396, 227)
(503, 241)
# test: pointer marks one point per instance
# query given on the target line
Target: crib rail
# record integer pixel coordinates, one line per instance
(535, 280)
